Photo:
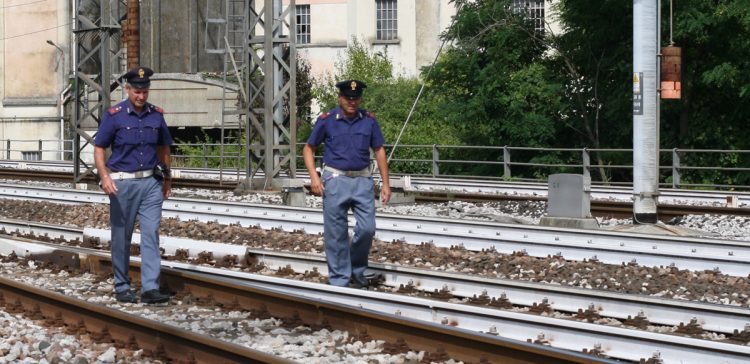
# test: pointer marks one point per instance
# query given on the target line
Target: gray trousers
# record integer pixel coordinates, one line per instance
(347, 261)
(141, 198)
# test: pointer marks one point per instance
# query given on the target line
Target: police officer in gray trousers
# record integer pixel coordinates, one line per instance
(348, 133)
(139, 138)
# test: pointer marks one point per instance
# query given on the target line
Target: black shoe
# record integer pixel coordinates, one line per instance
(154, 296)
(126, 297)
(356, 285)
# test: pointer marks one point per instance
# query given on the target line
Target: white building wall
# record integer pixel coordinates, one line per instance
(31, 74)
(335, 22)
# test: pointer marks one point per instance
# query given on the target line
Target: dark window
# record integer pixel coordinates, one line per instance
(533, 10)
(386, 18)
(303, 24)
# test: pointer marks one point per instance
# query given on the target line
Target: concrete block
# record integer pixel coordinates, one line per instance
(568, 195)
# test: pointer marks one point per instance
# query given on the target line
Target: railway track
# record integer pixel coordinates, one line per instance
(729, 257)
(404, 334)
(610, 202)
(621, 343)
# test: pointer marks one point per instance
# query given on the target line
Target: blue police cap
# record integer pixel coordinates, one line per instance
(139, 77)
(351, 89)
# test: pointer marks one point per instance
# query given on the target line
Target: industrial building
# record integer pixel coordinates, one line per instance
(186, 43)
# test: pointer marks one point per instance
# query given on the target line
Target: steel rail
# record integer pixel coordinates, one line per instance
(621, 343)
(712, 317)
(598, 192)
(614, 342)
(174, 343)
(457, 343)
(457, 186)
(662, 311)
(730, 257)
(513, 327)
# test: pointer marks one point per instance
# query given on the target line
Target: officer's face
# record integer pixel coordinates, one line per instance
(349, 106)
(137, 96)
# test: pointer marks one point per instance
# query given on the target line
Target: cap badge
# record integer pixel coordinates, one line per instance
(140, 72)
(353, 85)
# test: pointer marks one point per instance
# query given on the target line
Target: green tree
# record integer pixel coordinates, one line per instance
(495, 82)
(712, 114)
(594, 56)
(390, 97)
(596, 47)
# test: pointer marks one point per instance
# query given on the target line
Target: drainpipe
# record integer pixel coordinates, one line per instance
(64, 96)
(61, 67)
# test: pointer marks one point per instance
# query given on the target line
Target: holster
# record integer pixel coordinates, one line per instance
(161, 171)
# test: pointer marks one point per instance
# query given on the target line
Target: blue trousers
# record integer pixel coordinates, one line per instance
(347, 260)
(141, 198)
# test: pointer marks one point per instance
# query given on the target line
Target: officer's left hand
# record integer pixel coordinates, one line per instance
(167, 188)
(385, 194)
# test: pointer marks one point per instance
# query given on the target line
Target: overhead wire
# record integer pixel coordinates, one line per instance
(34, 32)
(17, 5)
(421, 90)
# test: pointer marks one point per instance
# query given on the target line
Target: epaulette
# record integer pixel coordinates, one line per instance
(371, 114)
(324, 115)
(114, 109)
(158, 109)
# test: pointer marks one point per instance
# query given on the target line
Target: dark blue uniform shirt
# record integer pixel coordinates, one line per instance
(347, 142)
(133, 136)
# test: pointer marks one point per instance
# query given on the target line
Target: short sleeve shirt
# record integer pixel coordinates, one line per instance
(347, 142)
(133, 136)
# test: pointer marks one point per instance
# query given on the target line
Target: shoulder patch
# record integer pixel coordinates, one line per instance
(157, 109)
(324, 115)
(114, 110)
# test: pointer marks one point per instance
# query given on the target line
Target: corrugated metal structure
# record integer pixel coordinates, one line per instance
(250, 47)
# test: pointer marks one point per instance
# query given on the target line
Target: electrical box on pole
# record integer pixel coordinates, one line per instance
(671, 72)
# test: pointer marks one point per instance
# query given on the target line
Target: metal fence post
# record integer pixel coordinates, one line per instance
(586, 159)
(7, 149)
(506, 162)
(675, 168)
(205, 156)
(435, 160)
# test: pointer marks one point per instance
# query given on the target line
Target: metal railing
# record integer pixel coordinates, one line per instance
(679, 168)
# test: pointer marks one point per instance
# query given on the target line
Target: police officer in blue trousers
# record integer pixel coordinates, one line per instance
(348, 133)
(136, 178)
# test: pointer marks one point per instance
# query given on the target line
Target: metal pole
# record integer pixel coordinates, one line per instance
(435, 160)
(586, 164)
(64, 89)
(645, 110)
(278, 82)
(506, 163)
(268, 90)
(675, 168)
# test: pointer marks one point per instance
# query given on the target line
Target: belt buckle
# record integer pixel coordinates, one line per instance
(119, 176)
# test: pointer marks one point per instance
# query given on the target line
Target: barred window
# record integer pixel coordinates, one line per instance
(303, 24)
(533, 10)
(32, 155)
(386, 19)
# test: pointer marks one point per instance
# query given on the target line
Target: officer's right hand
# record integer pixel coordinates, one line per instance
(108, 185)
(316, 186)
